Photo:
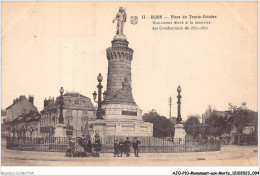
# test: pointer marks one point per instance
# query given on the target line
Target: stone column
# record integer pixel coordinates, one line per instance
(119, 88)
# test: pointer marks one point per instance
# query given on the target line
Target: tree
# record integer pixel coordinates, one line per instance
(241, 116)
(32, 127)
(162, 127)
(193, 126)
(23, 126)
(13, 129)
(215, 125)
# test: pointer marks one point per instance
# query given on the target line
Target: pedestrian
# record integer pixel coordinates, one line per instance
(92, 138)
(127, 146)
(88, 146)
(84, 144)
(136, 143)
(121, 147)
(116, 149)
(72, 147)
(97, 145)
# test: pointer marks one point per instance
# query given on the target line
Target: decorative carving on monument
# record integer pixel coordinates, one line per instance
(125, 91)
(125, 50)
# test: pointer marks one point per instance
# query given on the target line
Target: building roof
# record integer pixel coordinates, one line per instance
(74, 94)
(22, 97)
(51, 106)
(55, 105)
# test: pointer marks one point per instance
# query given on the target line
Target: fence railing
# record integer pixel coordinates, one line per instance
(147, 145)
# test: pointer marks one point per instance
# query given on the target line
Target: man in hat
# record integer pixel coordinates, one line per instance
(127, 146)
(116, 149)
(84, 145)
(136, 143)
(97, 145)
(72, 146)
(88, 146)
(121, 147)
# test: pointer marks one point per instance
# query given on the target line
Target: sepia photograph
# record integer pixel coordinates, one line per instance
(129, 84)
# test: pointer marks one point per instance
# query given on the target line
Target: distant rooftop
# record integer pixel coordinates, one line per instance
(15, 101)
(74, 94)
(55, 105)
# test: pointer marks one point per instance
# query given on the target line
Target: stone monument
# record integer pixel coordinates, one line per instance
(122, 117)
(179, 133)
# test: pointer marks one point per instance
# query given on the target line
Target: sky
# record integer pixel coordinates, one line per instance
(46, 45)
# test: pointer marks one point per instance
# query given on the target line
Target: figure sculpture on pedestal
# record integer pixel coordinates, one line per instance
(121, 19)
(118, 109)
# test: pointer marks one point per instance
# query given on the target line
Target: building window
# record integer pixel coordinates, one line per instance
(69, 133)
(68, 120)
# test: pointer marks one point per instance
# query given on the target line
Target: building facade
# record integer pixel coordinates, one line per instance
(77, 111)
(25, 125)
(20, 106)
(22, 118)
(3, 116)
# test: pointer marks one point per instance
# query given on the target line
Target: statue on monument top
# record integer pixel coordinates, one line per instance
(121, 19)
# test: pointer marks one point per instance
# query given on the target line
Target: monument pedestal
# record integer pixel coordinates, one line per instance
(98, 126)
(125, 120)
(121, 127)
(60, 130)
(179, 134)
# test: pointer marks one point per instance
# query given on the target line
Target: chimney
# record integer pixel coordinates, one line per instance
(31, 99)
(46, 102)
(21, 97)
(51, 100)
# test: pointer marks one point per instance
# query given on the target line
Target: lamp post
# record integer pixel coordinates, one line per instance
(179, 119)
(61, 119)
(99, 102)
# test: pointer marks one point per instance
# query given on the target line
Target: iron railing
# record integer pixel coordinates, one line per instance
(148, 145)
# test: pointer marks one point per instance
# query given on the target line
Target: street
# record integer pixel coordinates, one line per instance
(229, 155)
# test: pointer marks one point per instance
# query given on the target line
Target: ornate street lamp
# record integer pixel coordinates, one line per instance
(61, 119)
(179, 119)
(95, 94)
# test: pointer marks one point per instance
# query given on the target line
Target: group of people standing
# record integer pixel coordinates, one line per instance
(120, 147)
(87, 145)
(124, 147)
